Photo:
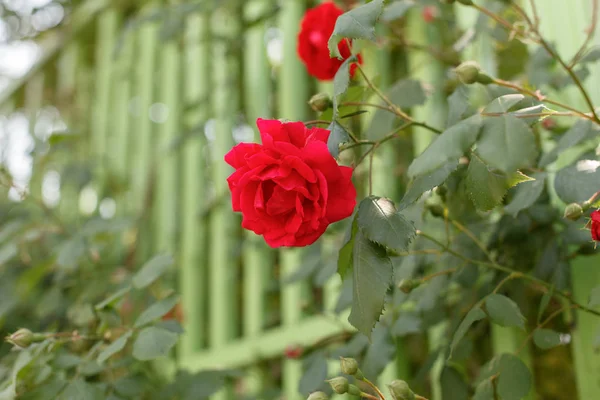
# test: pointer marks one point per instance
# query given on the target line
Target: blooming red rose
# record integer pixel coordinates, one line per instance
(595, 225)
(315, 29)
(289, 188)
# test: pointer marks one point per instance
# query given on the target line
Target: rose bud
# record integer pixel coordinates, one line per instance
(293, 352)
(339, 385)
(467, 72)
(317, 396)
(400, 390)
(320, 102)
(573, 212)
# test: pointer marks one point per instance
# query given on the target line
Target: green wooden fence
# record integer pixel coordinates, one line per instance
(157, 92)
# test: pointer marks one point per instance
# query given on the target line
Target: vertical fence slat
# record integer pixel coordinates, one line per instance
(292, 96)
(165, 154)
(258, 259)
(224, 284)
(193, 269)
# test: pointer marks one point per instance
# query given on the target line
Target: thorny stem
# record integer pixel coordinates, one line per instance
(510, 277)
(378, 143)
(436, 274)
(474, 238)
(542, 114)
(368, 396)
(375, 388)
(498, 267)
(590, 34)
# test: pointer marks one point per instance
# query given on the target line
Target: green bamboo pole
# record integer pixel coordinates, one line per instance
(106, 33)
(165, 157)
(293, 96)
(121, 138)
(584, 270)
(425, 67)
(223, 280)
(66, 83)
(193, 267)
(258, 259)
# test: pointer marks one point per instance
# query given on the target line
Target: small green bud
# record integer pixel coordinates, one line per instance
(400, 390)
(573, 211)
(21, 338)
(317, 396)
(353, 390)
(339, 384)
(484, 79)
(437, 210)
(466, 2)
(320, 102)
(349, 366)
(408, 285)
(467, 72)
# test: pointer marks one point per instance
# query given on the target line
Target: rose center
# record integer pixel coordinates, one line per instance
(315, 38)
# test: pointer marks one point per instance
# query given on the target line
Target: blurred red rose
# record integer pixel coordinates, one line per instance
(595, 225)
(429, 13)
(315, 30)
(290, 188)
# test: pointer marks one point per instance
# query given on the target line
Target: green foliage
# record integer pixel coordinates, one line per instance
(358, 23)
(503, 311)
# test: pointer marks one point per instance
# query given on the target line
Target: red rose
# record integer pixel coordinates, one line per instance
(595, 227)
(289, 188)
(315, 30)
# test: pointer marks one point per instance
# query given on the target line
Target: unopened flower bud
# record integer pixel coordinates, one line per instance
(317, 396)
(339, 384)
(437, 210)
(21, 338)
(484, 79)
(353, 390)
(349, 366)
(407, 285)
(466, 2)
(467, 72)
(573, 211)
(400, 390)
(320, 102)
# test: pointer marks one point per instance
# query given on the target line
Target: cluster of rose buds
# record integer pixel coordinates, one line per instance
(574, 211)
(399, 389)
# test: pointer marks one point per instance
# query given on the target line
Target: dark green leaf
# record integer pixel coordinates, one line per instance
(579, 132)
(591, 56)
(453, 385)
(372, 276)
(113, 298)
(406, 324)
(484, 391)
(337, 136)
(578, 182)
(503, 103)
(152, 270)
(315, 373)
(396, 10)
(358, 23)
(81, 390)
(474, 315)
(458, 105)
(526, 194)
(341, 81)
(450, 145)
(152, 343)
(380, 222)
(486, 188)
(594, 297)
(379, 353)
(503, 311)
(506, 143)
(407, 93)
(156, 310)
(428, 181)
(514, 381)
(544, 303)
(546, 338)
(114, 347)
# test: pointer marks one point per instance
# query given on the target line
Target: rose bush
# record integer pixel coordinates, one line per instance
(290, 188)
(316, 28)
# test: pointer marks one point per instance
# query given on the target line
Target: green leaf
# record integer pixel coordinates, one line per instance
(337, 136)
(380, 222)
(474, 315)
(315, 373)
(407, 93)
(380, 352)
(503, 103)
(396, 10)
(345, 255)
(425, 182)
(70, 252)
(458, 105)
(579, 132)
(81, 390)
(114, 347)
(578, 182)
(152, 343)
(594, 297)
(507, 143)
(152, 270)
(484, 391)
(546, 338)
(503, 311)
(591, 56)
(156, 310)
(406, 324)
(372, 276)
(526, 194)
(358, 23)
(450, 145)
(514, 381)
(485, 188)
(7, 252)
(544, 303)
(341, 81)
(453, 385)
(113, 298)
